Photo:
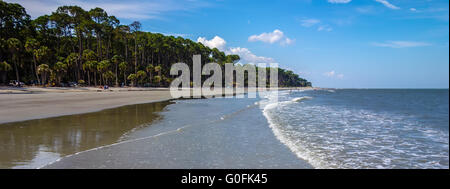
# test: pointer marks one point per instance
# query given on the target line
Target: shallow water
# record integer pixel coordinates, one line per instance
(205, 133)
(34, 143)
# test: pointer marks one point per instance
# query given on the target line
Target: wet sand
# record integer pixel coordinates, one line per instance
(34, 143)
(37, 103)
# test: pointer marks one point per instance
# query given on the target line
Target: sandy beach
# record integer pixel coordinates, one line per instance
(20, 104)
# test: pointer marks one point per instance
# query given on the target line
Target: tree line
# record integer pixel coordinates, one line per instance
(93, 48)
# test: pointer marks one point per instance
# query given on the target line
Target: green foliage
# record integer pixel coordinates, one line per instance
(89, 55)
(108, 76)
(13, 45)
(31, 45)
(141, 74)
(71, 59)
(90, 65)
(157, 69)
(5, 67)
(103, 66)
(116, 59)
(41, 53)
(123, 66)
(43, 68)
(149, 68)
(157, 79)
(90, 43)
(132, 78)
(60, 67)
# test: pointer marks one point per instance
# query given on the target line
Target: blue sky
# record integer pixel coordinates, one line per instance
(333, 43)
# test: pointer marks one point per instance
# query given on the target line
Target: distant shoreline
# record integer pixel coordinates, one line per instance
(28, 103)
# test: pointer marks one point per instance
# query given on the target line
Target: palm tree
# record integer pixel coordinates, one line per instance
(43, 69)
(41, 54)
(71, 61)
(132, 78)
(90, 66)
(123, 33)
(158, 70)
(141, 76)
(123, 68)
(14, 48)
(102, 67)
(89, 56)
(31, 46)
(135, 26)
(149, 70)
(99, 16)
(108, 76)
(60, 68)
(116, 60)
(158, 79)
(4, 69)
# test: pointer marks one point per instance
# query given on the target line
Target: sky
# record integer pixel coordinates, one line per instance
(332, 43)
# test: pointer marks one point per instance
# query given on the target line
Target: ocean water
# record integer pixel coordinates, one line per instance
(394, 129)
(199, 133)
(339, 128)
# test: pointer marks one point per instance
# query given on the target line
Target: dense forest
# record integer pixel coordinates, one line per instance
(92, 48)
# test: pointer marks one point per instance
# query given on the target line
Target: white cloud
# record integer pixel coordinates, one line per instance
(248, 57)
(401, 44)
(387, 4)
(330, 73)
(413, 9)
(325, 28)
(184, 35)
(216, 42)
(287, 41)
(309, 22)
(130, 9)
(333, 74)
(272, 37)
(339, 1)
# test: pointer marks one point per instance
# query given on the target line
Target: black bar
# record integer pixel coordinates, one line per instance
(230, 178)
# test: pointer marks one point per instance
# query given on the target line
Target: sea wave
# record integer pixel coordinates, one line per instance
(270, 104)
(291, 144)
(329, 137)
(299, 99)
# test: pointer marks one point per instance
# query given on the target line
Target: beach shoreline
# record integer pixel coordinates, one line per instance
(120, 110)
(22, 104)
(193, 134)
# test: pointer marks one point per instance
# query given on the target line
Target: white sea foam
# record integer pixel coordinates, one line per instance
(299, 99)
(270, 105)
